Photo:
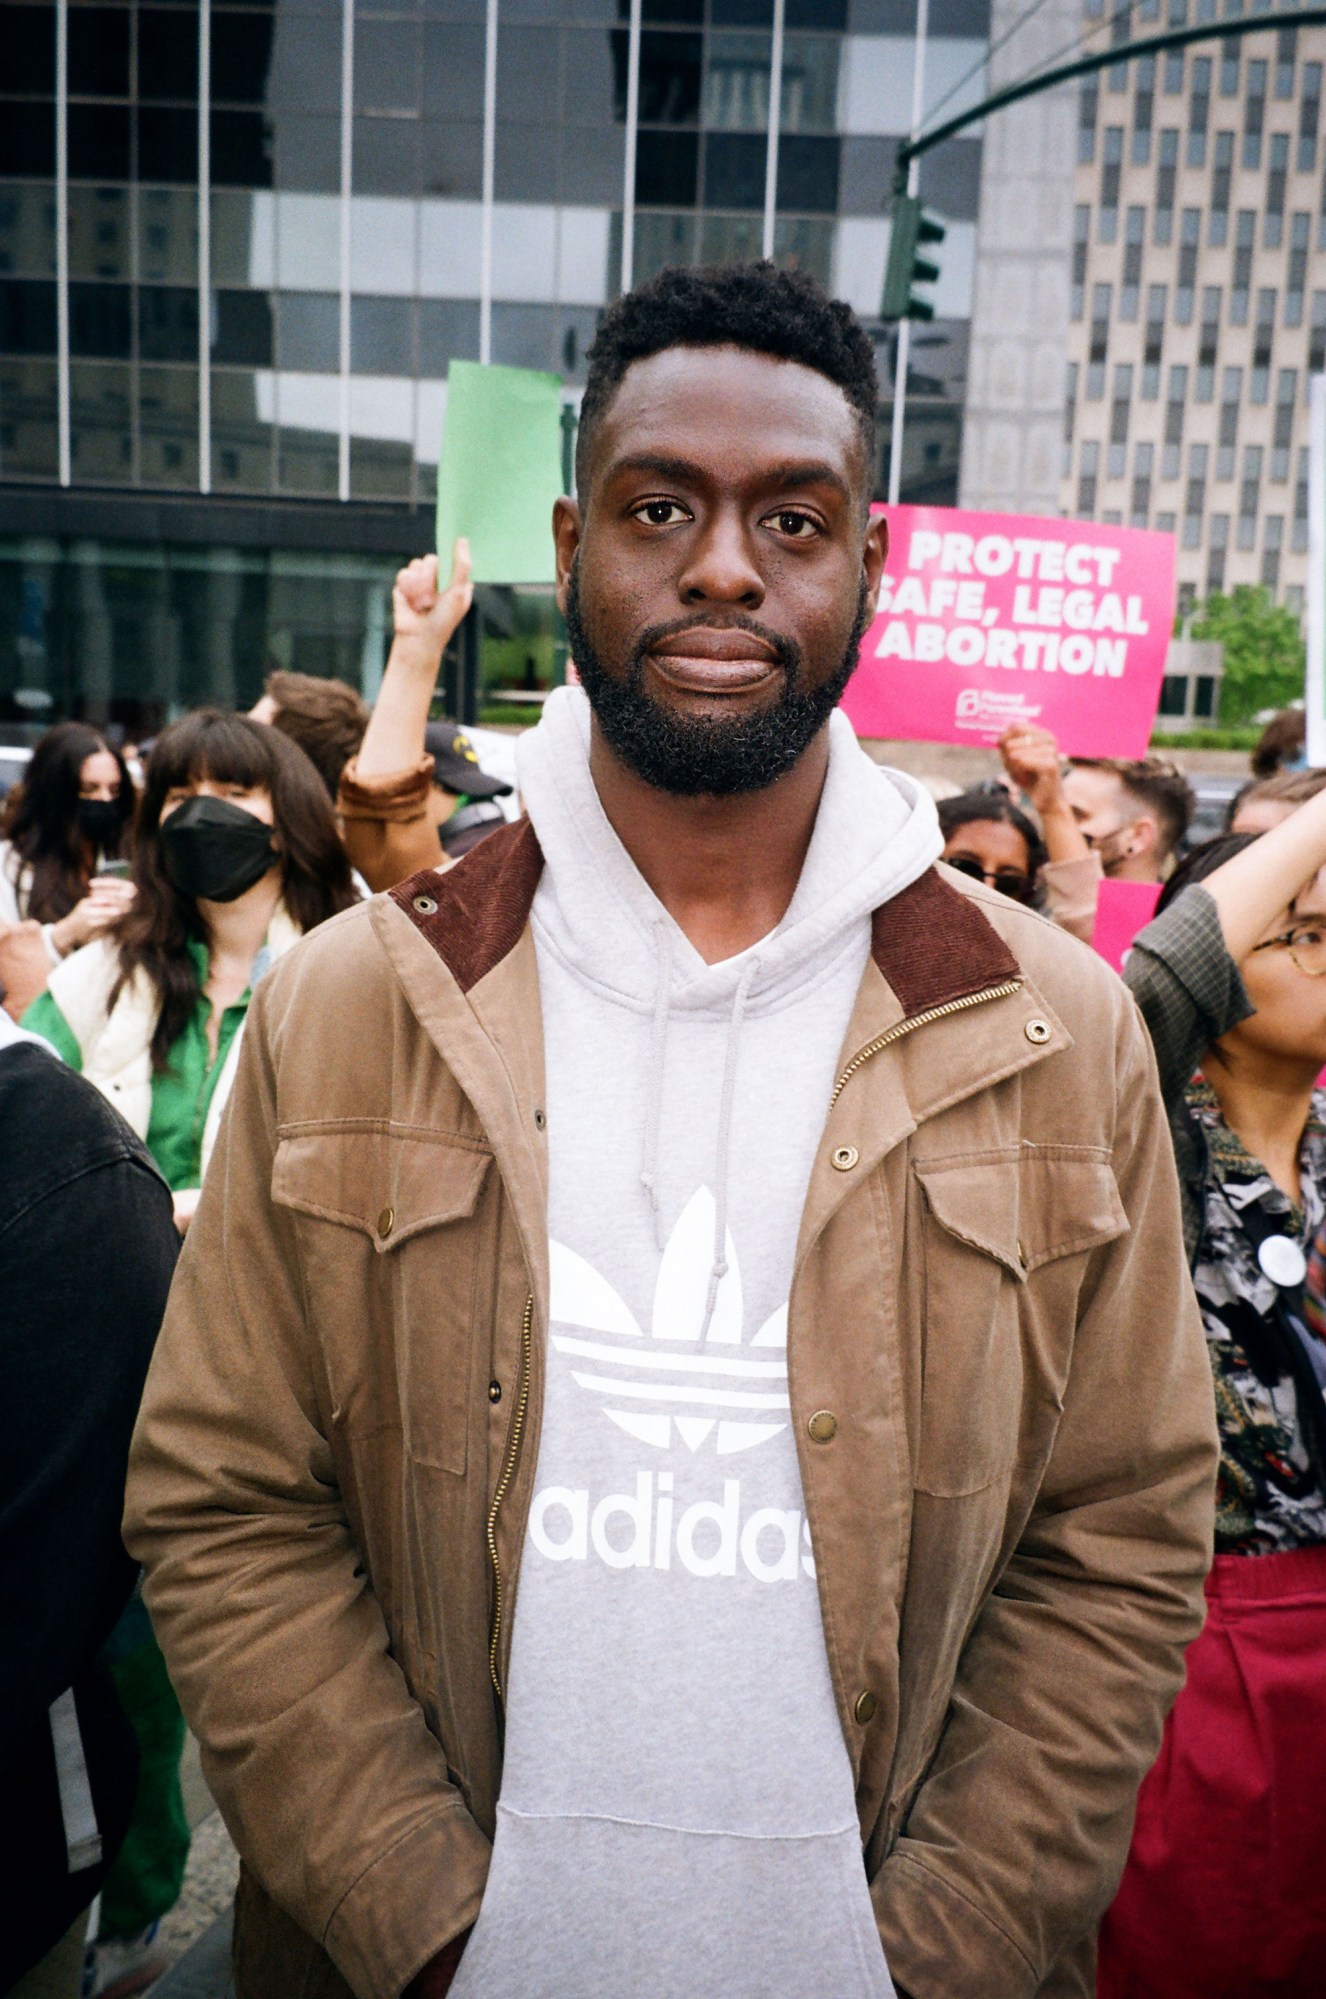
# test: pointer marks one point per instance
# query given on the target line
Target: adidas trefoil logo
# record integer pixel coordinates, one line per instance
(648, 1385)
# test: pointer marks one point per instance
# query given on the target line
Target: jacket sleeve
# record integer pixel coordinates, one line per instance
(1187, 985)
(333, 1788)
(1017, 1837)
(386, 826)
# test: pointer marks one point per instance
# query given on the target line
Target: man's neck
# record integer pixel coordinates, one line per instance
(725, 869)
(1135, 868)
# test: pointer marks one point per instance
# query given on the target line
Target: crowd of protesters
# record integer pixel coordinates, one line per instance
(144, 902)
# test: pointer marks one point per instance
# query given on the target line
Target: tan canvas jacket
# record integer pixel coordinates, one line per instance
(1009, 1477)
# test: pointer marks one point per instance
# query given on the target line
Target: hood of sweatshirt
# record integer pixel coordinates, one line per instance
(876, 831)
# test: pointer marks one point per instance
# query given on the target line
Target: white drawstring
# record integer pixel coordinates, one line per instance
(657, 1057)
(720, 1266)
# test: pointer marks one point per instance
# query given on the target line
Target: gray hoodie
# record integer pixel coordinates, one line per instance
(677, 1812)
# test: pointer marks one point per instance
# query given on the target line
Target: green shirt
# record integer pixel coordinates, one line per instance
(182, 1092)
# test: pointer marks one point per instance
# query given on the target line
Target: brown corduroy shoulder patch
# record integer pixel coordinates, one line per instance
(474, 913)
(933, 945)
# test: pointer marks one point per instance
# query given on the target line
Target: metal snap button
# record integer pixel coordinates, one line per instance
(540, 1121)
(823, 1426)
(866, 1705)
(845, 1157)
(494, 1391)
(425, 904)
(386, 1221)
(1037, 1032)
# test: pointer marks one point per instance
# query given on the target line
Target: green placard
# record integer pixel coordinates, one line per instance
(500, 471)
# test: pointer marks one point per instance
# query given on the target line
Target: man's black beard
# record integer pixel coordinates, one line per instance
(695, 756)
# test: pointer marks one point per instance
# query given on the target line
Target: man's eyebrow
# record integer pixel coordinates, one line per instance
(798, 473)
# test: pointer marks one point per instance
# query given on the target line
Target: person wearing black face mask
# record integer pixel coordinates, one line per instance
(236, 855)
(69, 818)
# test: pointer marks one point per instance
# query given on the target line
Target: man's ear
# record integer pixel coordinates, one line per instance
(874, 555)
(566, 527)
(1146, 835)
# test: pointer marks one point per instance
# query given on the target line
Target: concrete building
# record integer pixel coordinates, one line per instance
(242, 240)
(1197, 298)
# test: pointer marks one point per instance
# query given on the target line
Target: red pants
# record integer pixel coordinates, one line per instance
(1224, 1894)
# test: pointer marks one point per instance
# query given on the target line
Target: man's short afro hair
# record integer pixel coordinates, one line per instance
(783, 313)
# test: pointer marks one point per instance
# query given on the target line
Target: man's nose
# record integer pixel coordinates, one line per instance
(721, 567)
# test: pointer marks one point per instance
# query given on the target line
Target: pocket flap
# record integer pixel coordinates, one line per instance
(391, 1184)
(1026, 1209)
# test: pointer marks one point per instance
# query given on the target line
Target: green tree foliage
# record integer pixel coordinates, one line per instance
(1264, 654)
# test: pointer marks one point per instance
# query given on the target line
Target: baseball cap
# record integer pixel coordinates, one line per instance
(456, 763)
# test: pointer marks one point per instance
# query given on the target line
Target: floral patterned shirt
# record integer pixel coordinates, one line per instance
(1270, 1496)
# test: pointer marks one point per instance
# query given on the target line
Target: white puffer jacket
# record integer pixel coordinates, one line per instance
(116, 1041)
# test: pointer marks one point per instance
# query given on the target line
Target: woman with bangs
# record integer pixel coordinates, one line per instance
(235, 857)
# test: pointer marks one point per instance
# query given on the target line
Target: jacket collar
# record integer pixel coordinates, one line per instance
(931, 942)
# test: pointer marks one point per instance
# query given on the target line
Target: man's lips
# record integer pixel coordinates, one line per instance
(707, 660)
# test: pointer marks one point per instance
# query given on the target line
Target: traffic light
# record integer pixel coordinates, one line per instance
(912, 227)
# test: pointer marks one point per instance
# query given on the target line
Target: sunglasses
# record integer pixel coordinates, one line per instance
(1008, 881)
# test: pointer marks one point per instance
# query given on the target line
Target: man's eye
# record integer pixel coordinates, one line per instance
(661, 513)
(797, 527)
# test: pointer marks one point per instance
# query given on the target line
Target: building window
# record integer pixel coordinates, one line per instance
(1120, 410)
(1300, 527)
(1309, 117)
(1208, 339)
(1088, 466)
(1194, 498)
(1231, 393)
(1218, 545)
(1282, 436)
(1108, 225)
(1088, 106)
(1254, 115)
(1143, 458)
(1245, 235)
(1300, 232)
(1229, 69)
(1165, 183)
(1199, 110)
(1154, 341)
(1190, 235)
(1081, 239)
(1273, 226)
(1070, 415)
(1174, 408)
(1100, 340)
(1173, 83)
(1134, 236)
(1249, 491)
(1144, 109)
(1317, 335)
(1259, 386)
(1174, 696)
(1218, 223)
(1187, 603)
(1273, 531)
(1286, 44)
(1294, 600)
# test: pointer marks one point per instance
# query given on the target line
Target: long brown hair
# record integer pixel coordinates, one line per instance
(154, 935)
(41, 818)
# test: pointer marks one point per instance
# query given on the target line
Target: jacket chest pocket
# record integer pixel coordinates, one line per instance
(1006, 1238)
(390, 1224)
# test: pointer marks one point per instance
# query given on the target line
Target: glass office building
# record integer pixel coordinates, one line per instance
(241, 244)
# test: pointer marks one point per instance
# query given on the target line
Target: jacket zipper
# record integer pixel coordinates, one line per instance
(503, 1485)
(902, 1027)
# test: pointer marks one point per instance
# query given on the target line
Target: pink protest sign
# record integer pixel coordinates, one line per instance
(990, 619)
(1122, 909)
